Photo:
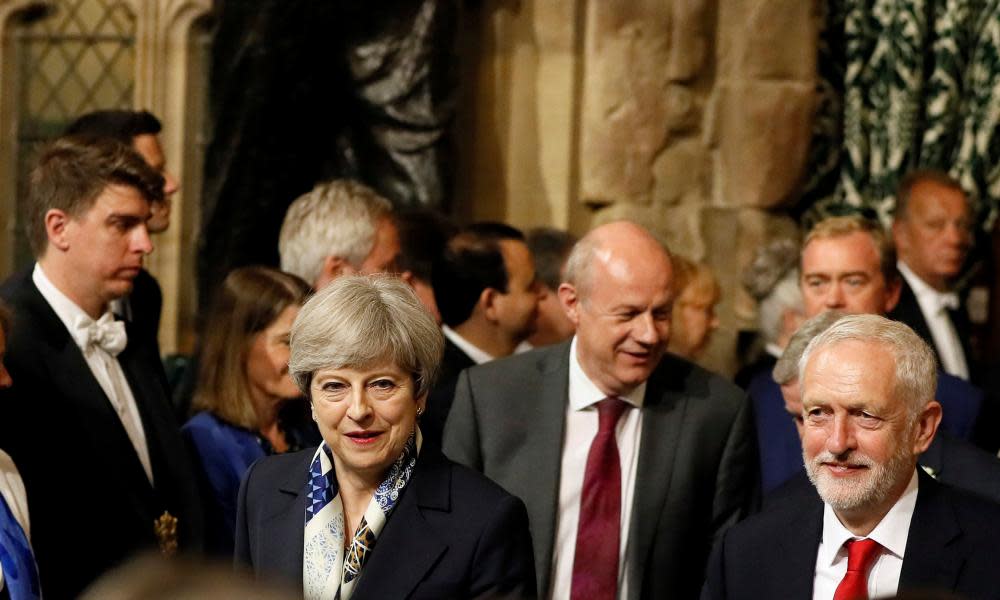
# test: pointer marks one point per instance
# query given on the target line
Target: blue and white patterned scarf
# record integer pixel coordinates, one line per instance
(328, 573)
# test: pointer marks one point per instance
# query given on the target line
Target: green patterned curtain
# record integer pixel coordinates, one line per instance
(906, 84)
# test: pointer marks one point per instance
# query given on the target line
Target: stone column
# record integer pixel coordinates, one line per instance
(692, 117)
(163, 28)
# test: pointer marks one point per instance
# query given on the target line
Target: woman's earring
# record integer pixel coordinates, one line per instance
(420, 411)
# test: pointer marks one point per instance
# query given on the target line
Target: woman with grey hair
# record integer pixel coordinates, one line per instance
(374, 512)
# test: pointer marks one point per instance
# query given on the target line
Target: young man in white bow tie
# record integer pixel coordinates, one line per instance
(88, 422)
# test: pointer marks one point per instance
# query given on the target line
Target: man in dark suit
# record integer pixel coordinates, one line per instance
(488, 297)
(630, 461)
(88, 422)
(871, 524)
(932, 228)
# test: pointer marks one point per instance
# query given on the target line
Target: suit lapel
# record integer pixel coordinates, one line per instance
(934, 557)
(408, 534)
(662, 414)
(799, 543)
(75, 383)
(286, 520)
(544, 427)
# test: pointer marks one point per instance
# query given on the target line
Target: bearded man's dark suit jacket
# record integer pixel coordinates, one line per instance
(90, 501)
(696, 459)
(453, 362)
(453, 534)
(952, 546)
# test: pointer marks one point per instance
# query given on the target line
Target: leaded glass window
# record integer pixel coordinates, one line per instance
(75, 57)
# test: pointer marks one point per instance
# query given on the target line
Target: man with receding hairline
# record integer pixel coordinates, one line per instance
(630, 460)
(932, 229)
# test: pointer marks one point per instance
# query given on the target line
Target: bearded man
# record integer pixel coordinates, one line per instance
(870, 524)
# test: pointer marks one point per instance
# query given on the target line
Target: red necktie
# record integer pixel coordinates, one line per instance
(861, 556)
(595, 563)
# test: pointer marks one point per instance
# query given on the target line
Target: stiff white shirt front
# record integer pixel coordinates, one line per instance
(105, 368)
(12, 489)
(581, 427)
(891, 533)
(934, 306)
(471, 350)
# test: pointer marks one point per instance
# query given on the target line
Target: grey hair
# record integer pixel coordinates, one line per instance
(785, 295)
(336, 218)
(916, 367)
(786, 370)
(364, 321)
(577, 269)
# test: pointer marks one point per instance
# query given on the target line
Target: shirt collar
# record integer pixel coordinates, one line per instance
(891, 532)
(926, 295)
(477, 355)
(584, 393)
(74, 318)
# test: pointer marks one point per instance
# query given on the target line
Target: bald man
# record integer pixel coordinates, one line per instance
(630, 461)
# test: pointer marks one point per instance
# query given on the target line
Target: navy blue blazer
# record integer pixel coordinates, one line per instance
(225, 453)
(453, 534)
(951, 546)
(779, 448)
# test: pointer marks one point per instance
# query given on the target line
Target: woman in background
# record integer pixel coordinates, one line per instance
(243, 382)
(696, 292)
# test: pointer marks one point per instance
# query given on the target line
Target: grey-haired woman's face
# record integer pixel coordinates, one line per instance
(365, 416)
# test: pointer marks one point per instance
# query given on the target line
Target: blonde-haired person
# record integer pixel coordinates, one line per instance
(243, 382)
(693, 319)
(375, 512)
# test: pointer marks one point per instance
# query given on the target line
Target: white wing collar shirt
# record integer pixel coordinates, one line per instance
(581, 427)
(891, 533)
(935, 305)
(100, 342)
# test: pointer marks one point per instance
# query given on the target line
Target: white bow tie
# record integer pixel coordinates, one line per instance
(105, 333)
(948, 301)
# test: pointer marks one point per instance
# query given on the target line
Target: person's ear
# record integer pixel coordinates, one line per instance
(488, 304)
(569, 299)
(56, 222)
(926, 426)
(893, 290)
(333, 267)
(408, 278)
(899, 237)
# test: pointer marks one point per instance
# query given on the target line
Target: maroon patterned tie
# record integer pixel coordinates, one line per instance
(595, 564)
(861, 555)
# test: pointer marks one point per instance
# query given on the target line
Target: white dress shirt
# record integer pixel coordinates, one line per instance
(105, 367)
(891, 533)
(12, 489)
(581, 427)
(477, 355)
(934, 305)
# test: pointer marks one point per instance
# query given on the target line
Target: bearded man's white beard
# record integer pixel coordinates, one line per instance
(870, 487)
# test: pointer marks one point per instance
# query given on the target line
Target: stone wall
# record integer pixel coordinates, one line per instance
(692, 117)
